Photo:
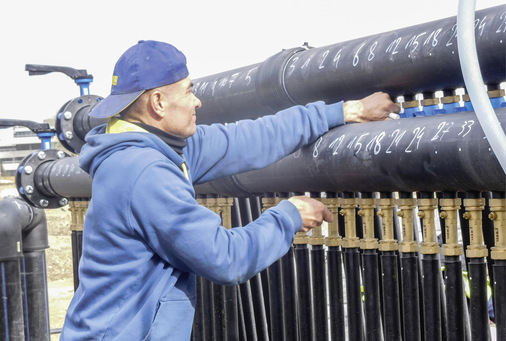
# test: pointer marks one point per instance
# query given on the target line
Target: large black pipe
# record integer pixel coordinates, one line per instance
(478, 305)
(500, 297)
(372, 305)
(454, 289)
(410, 296)
(434, 154)
(23, 240)
(438, 153)
(416, 59)
(431, 297)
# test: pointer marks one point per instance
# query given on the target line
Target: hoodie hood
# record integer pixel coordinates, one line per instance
(100, 145)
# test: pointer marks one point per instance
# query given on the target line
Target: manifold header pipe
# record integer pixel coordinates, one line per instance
(437, 153)
(433, 154)
(417, 59)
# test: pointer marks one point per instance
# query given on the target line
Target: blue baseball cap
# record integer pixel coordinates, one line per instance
(147, 65)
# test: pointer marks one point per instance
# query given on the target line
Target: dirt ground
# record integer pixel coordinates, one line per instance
(59, 267)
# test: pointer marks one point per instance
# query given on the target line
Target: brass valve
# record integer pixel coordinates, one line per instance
(406, 207)
(348, 206)
(225, 207)
(476, 247)
(77, 213)
(449, 214)
(367, 206)
(386, 212)
(498, 215)
(333, 238)
(426, 212)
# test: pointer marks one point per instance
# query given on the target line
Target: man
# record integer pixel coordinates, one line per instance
(145, 237)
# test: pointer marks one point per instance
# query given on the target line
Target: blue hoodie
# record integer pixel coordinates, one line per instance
(145, 237)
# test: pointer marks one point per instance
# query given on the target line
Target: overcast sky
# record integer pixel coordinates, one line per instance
(215, 36)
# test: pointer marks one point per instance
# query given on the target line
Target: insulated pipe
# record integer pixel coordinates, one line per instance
(437, 153)
(416, 59)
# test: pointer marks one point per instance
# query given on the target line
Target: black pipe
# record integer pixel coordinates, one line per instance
(478, 305)
(336, 293)
(420, 58)
(398, 155)
(391, 303)
(410, 296)
(455, 328)
(289, 295)
(198, 321)
(319, 292)
(305, 318)
(500, 297)
(372, 304)
(12, 325)
(405, 155)
(431, 297)
(353, 293)
(77, 251)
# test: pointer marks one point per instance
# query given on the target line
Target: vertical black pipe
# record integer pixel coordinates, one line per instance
(500, 297)
(208, 309)
(353, 293)
(289, 296)
(431, 297)
(336, 293)
(35, 292)
(410, 296)
(77, 251)
(198, 327)
(12, 323)
(319, 292)
(372, 305)
(335, 284)
(304, 292)
(247, 321)
(454, 299)
(480, 324)
(218, 314)
(231, 313)
(391, 304)
(276, 300)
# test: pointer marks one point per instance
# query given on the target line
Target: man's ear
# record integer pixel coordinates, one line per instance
(156, 103)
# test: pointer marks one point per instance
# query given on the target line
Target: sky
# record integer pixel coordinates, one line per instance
(215, 36)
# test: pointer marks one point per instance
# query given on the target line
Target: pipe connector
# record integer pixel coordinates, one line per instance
(474, 208)
(348, 206)
(333, 238)
(406, 212)
(367, 206)
(449, 209)
(225, 207)
(386, 212)
(498, 215)
(426, 213)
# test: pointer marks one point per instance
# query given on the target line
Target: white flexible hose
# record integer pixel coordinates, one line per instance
(474, 81)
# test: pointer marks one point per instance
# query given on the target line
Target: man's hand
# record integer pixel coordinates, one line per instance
(313, 212)
(375, 107)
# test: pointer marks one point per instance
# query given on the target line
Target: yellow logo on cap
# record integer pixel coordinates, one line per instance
(114, 80)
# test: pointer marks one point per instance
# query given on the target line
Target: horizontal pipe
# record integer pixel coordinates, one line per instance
(433, 153)
(421, 58)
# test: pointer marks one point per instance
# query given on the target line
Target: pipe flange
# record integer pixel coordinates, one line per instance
(30, 179)
(72, 122)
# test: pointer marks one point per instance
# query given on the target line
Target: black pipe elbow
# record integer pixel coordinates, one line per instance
(14, 214)
(35, 237)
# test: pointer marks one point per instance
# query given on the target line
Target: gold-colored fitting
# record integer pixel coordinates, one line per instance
(429, 101)
(498, 215)
(225, 207)
(406, 207)
(426, 212)
(386, 212)
(77, 210)
(449, 214)
(348, 206)
(410, 104)
(367, 206)
(450, 99)
(476, 247)
(333, 238)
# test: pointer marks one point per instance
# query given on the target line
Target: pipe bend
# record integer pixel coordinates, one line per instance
(35, 236)
(14, 214)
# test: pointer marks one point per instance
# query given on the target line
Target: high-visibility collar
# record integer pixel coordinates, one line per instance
(116, 126)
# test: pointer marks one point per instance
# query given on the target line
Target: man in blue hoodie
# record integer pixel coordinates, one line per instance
(145, 237)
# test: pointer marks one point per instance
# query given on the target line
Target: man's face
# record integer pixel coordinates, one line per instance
(180, 119)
